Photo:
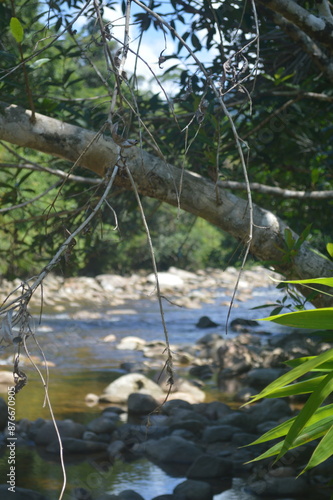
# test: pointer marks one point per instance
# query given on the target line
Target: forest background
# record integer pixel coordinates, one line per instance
(276, 88)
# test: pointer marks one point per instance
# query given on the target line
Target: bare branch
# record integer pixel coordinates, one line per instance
(276, 191)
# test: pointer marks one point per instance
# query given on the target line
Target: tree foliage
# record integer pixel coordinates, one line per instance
(258, 70)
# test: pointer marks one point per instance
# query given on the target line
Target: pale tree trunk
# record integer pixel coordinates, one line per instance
(157, 179)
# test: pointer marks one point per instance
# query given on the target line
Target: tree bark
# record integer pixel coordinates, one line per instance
(157, 179)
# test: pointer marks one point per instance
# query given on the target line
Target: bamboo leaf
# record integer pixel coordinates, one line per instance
(323, 413)
(323, 390)
(312, 432)
(16, 29)
(299, 388)
(295, 373)
(321, 319)
(329, 248)
(325, 367)
(323, 451)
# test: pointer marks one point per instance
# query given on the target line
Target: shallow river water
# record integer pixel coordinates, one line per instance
(84, 363)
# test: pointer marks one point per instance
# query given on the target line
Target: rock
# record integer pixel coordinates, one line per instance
(6, 377)
(102, 424)
(261, 377)
(72, 445)
(237, 323)
(81, 494)
(91, 399)
(129, 495)
(280, 486)
(141, 404)
(170, 449)
(132, 367)
(194, 490)
(245, 394)
(239, 419)
(45, 433)
(116, 448)
(108, 496)
(209, 467)
(193, 426)
(203, 372)
(215, 433)
(167, 281)
(131, 344)
(209, 338)
(206, 322)
(165, 497)
(213, 410)
(243, 438)
(133, 434)
(194, 394)
(268, 408)
(119, 390)
(173, 405)
(110, 338)
(20, 494)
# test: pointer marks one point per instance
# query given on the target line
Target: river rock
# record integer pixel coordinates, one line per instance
(101, 425)
(20, 494)
(129, 495)
(268, 408)
(81, 494)
(194, 490)
(209, 467)
(174, 405)
(213, 410)
(203, 372)
(75, 446)
(116, 448)
(131, 344)
(240, 324)
(261, 377)
(119, 390)
(279, 487)
(167, 281)
(206, 322)
(45, 433)
(141, 404)
(215, 433)
(187, 391)
(6, 378)
(170, 449)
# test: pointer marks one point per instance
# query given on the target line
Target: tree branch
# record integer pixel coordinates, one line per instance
(157, 179)
(318, 28)
(276, 191)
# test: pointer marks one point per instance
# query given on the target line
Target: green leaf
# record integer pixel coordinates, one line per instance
(303, 387)
(323, 390)
(329, 248)
(310, 433)
(39, 63)
(289, 239)
(323, 451)
(318, 281)
(325, 367)
(16, 29)
(322, 414)
(289, 377)
(321, 319)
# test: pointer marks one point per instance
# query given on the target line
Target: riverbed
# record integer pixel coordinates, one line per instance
(82, 362)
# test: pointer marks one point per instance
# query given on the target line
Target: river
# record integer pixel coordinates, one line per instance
(84, 363)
